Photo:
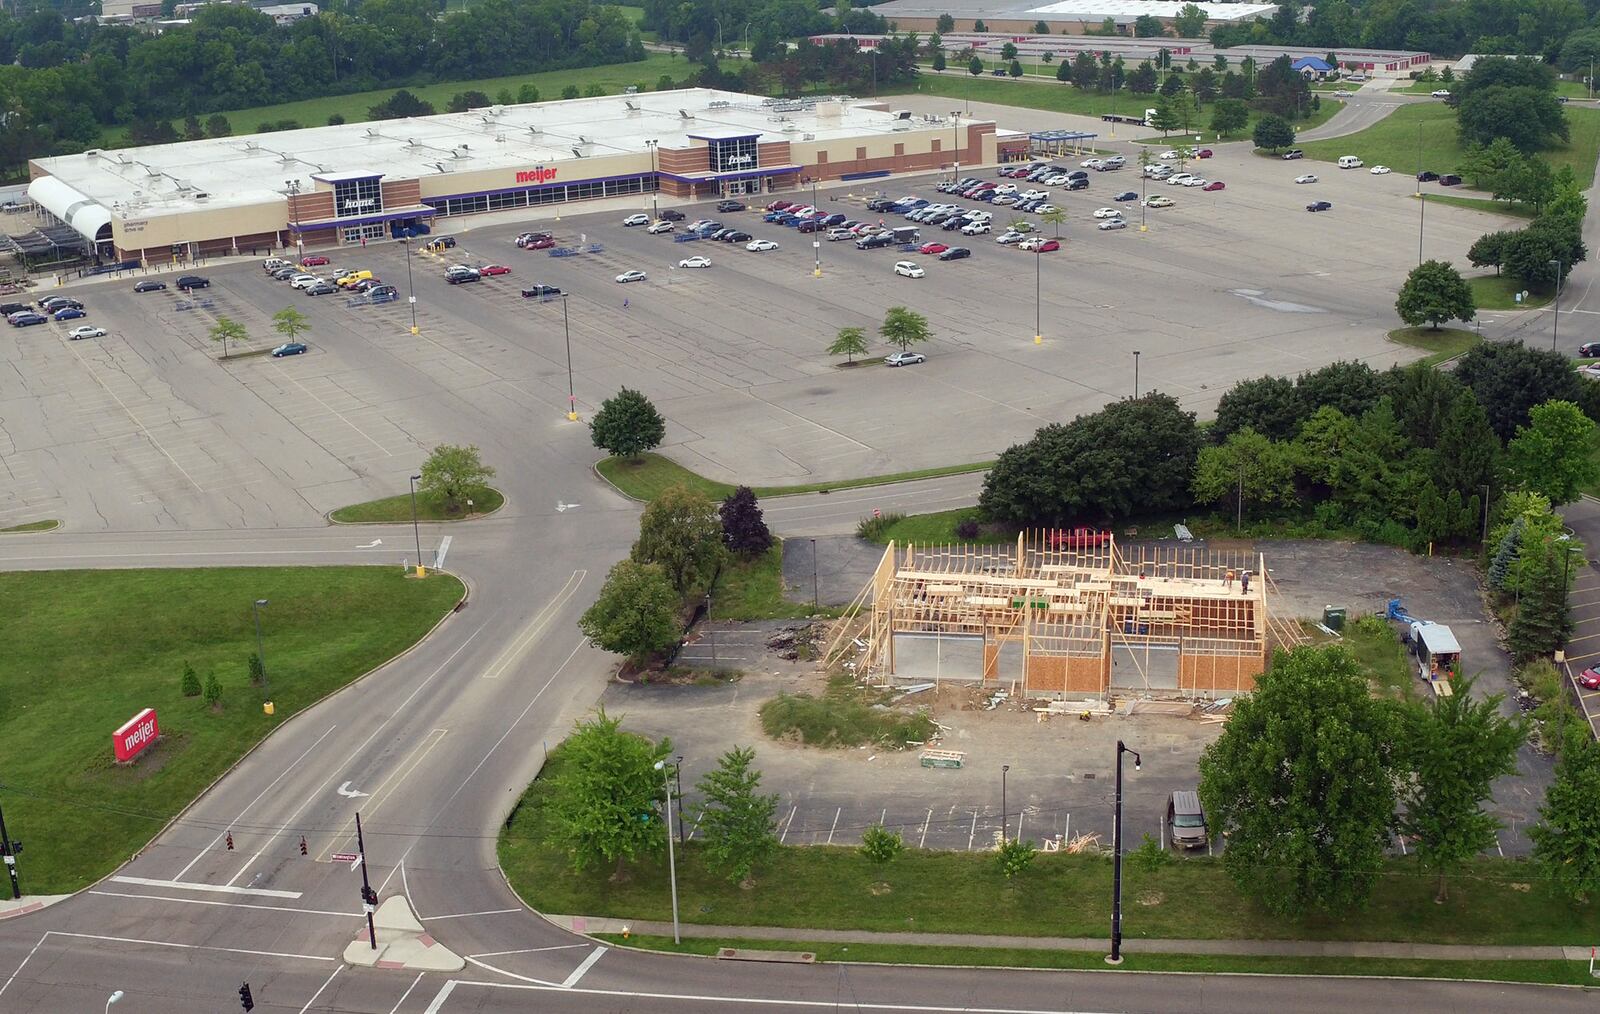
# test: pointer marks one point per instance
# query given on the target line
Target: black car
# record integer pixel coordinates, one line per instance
(738, 237)
(727, 206)
(1319, 206)
(1449, 180)
(321, 289)
(54, 303)
(194, 282)
(874, 242)
(1588, 350)
(955, 253)
(1427, 176)
(148, 286)
(672, 215)
(7, 309)
(463, 277)
(1078, 184)
(540, 292)
(952, 224)
(879, 204)
(284, 274)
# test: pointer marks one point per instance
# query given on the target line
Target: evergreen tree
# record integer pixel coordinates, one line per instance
(213, 692)
(1566, 841)
(735, 819)
(1466, 447)
(190, 684)
(1505, 555)
(1543, 620)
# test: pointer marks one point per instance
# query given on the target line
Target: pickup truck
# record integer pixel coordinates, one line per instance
(1078, 538)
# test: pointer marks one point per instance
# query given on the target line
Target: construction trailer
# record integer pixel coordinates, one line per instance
(1056, 617)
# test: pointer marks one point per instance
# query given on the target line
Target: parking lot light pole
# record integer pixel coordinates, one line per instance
(411, 289)
(677, 776)
(816, 237)
(672, 862)
(1135, 374)
(655, 210)
(415, 528)
(1555, 320)
(1115, 957)
(566, 327)
(1422, 218)
(1038, 304)
(955, 138)
(256, 608)
(1004, 824)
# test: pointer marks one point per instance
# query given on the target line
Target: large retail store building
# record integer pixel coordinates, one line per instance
(355, 182)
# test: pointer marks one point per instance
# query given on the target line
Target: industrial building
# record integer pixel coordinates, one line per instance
(1070, 17)
(355, 183)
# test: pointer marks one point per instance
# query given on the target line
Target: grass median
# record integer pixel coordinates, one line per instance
(1441, 343)
(1493, 901)
(86, 650)
(1570, 973)
(645, 477)
(397, 509)
(1499, 292)
(49, 525)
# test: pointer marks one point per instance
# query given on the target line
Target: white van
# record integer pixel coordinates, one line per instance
(272, 264)
(1349, 162)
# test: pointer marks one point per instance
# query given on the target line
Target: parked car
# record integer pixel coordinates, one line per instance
(193, 282)
(1588, 350)
(904, 359)
(50, 304)
(1112, 223)
(149, 286)
(1306, 178)
(1427, 176)
(1186, 820)
(1319, 206)
(317, 260)
(908, 269)
(1169, 153)
(1204, 153)
(699, 261)
(639, 218)
(1449, 180)
(544, 242)
(284, 274)
(1039, 244)
(759, 245)
(631, 276)
(1293, 153)
(674, 215)
(86, 331)
(1590, 679)
(303, 281)
(1078, 184)
(69, 313)
(436, 244)
(462, 276)
(657, 228)
(1159, 201)
(1010, 236)
(383, 293)
(1107, 212)
(328, 288)
(1214, 185)
(538, 291)
(875, 241)
(26, 318)
(494, 269)
(288, 349)
(727, 206)
(933, 248)
(1126, 195)
(737, 237)
(1440, 93)
(1178, 179)
(1380, 170)
(955, 253)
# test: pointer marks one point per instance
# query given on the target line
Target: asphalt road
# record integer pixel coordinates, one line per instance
(158, 456)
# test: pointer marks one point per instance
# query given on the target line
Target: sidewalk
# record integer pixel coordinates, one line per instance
(1253, 948)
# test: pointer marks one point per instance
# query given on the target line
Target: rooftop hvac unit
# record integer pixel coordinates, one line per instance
(686, 114)
(577, 153)
(94, 152)
(372, 132)
(632, 106)
(809, 137)
(720, 104)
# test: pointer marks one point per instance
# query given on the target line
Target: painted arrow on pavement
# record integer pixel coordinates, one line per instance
(346, 791)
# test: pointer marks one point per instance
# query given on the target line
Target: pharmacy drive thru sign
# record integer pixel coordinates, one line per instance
(135, 735)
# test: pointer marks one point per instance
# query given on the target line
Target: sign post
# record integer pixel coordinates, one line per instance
(369, 897)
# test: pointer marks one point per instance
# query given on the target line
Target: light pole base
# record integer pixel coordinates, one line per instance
(572, 416)
(416, 330)
(1038, 339)
(816, 273)
(1113, 959)
(1144, 228)
(422, 571)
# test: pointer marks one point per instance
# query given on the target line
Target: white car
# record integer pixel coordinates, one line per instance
(759, 245)
(1009, 237)
(975, 229)
(1006, 189)
(1155, 167)
(1196, 181)
(1045, 209)
(631, 276)
(1178, 179)
(1035, 195)
(1112, 223)
(1380, 170)
(1307, 178)
(908, 269)
(1169, 153)
(1090, 163)
(904, 359)
(697, 224)
(1108, 213)
(657, 228)
(1059, 179)
(695, 262)
(86, 331)
(639, 219)
(1441, 93)
(304, 281)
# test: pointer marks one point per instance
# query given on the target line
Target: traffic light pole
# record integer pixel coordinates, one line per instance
(368, 896)
(10, 856)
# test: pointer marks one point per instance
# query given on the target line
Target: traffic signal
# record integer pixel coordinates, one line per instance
(245, 999)
(368, 895)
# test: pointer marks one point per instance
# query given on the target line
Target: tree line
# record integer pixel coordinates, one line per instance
(62, 83)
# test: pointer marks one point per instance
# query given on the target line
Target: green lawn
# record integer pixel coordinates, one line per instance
(753, 590)
(1430, 128)
(1572, 973)
(939, 528)
(1497, 901)
(86, 650)
(1514, 209)
(646, 477)
(1377, 647)
(32, 526)
(353, 107)
(1440, 343)
(1571, 89)
(1498, 292)
(397, 509)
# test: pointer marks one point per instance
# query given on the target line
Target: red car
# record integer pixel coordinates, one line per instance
(494, 269)
(1049, 246)
(1590, 679)
(1204, 153)
(780, 205)
(934, 248)
(313, 261)
(1078, 538)
(1215, 185)
(542, 243)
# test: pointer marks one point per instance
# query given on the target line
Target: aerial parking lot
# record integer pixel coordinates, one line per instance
(1225, 284)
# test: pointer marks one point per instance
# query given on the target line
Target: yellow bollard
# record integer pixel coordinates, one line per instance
(266, 707)
(422, 571)
(1038, 339)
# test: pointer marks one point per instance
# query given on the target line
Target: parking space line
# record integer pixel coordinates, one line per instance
(788, 824)
(835, 826)
(922, 842)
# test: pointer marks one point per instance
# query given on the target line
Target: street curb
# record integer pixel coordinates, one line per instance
(328, 515)
(461, 603)
(846, 485)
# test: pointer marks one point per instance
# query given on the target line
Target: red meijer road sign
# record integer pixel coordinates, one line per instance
(135, 735)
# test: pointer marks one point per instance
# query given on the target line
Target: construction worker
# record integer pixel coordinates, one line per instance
(1227, 582)
(1244, 582)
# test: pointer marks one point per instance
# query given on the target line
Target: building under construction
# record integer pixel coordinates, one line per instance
(1071, 615)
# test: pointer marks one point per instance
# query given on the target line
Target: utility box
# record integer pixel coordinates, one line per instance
(1333, 617)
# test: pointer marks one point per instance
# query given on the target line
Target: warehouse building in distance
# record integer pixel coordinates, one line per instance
(355, 183)
(1070, 17)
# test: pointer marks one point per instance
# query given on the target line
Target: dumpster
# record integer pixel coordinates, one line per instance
(1333, 617)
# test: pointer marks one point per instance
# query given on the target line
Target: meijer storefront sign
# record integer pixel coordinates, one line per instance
(135, 735)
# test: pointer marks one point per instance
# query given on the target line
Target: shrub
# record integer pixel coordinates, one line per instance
(874, 528)
(191, 681)
(258, 671)
(882, 845)
(213, 692)
(1149, 856)
(967, 528)
(1015, 856)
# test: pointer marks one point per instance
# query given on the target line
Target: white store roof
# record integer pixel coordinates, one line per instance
(254, 168)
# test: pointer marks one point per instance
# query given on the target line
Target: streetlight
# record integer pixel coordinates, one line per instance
(672, 862)
(816, 606)
(1115, 957)
(955, 138)
(415, 529)
(566, 327)
(1004, 824)
(655, 210)
(677, 774)
(1038, 305)
(816, 237)
(259, 605)
(113, 998)
(411, 289)
(292, 187)
(1555, 323)
(1422, 218)
(1135, 374)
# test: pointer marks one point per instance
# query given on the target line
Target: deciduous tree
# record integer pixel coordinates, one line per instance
(744, 530)
(1302, 783)
(1229, 116)
(636, 612)
(1273, 133)
(627, 425)
(1435, 292)
(227, 329)
(290, 323)
(904, 327)
(455, 472)
(1247, 464)
(736, 819)
(1552, 454)
(851, 342)
(1509, 378)
(1269, 405)
(680, 531)
(603, 802)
